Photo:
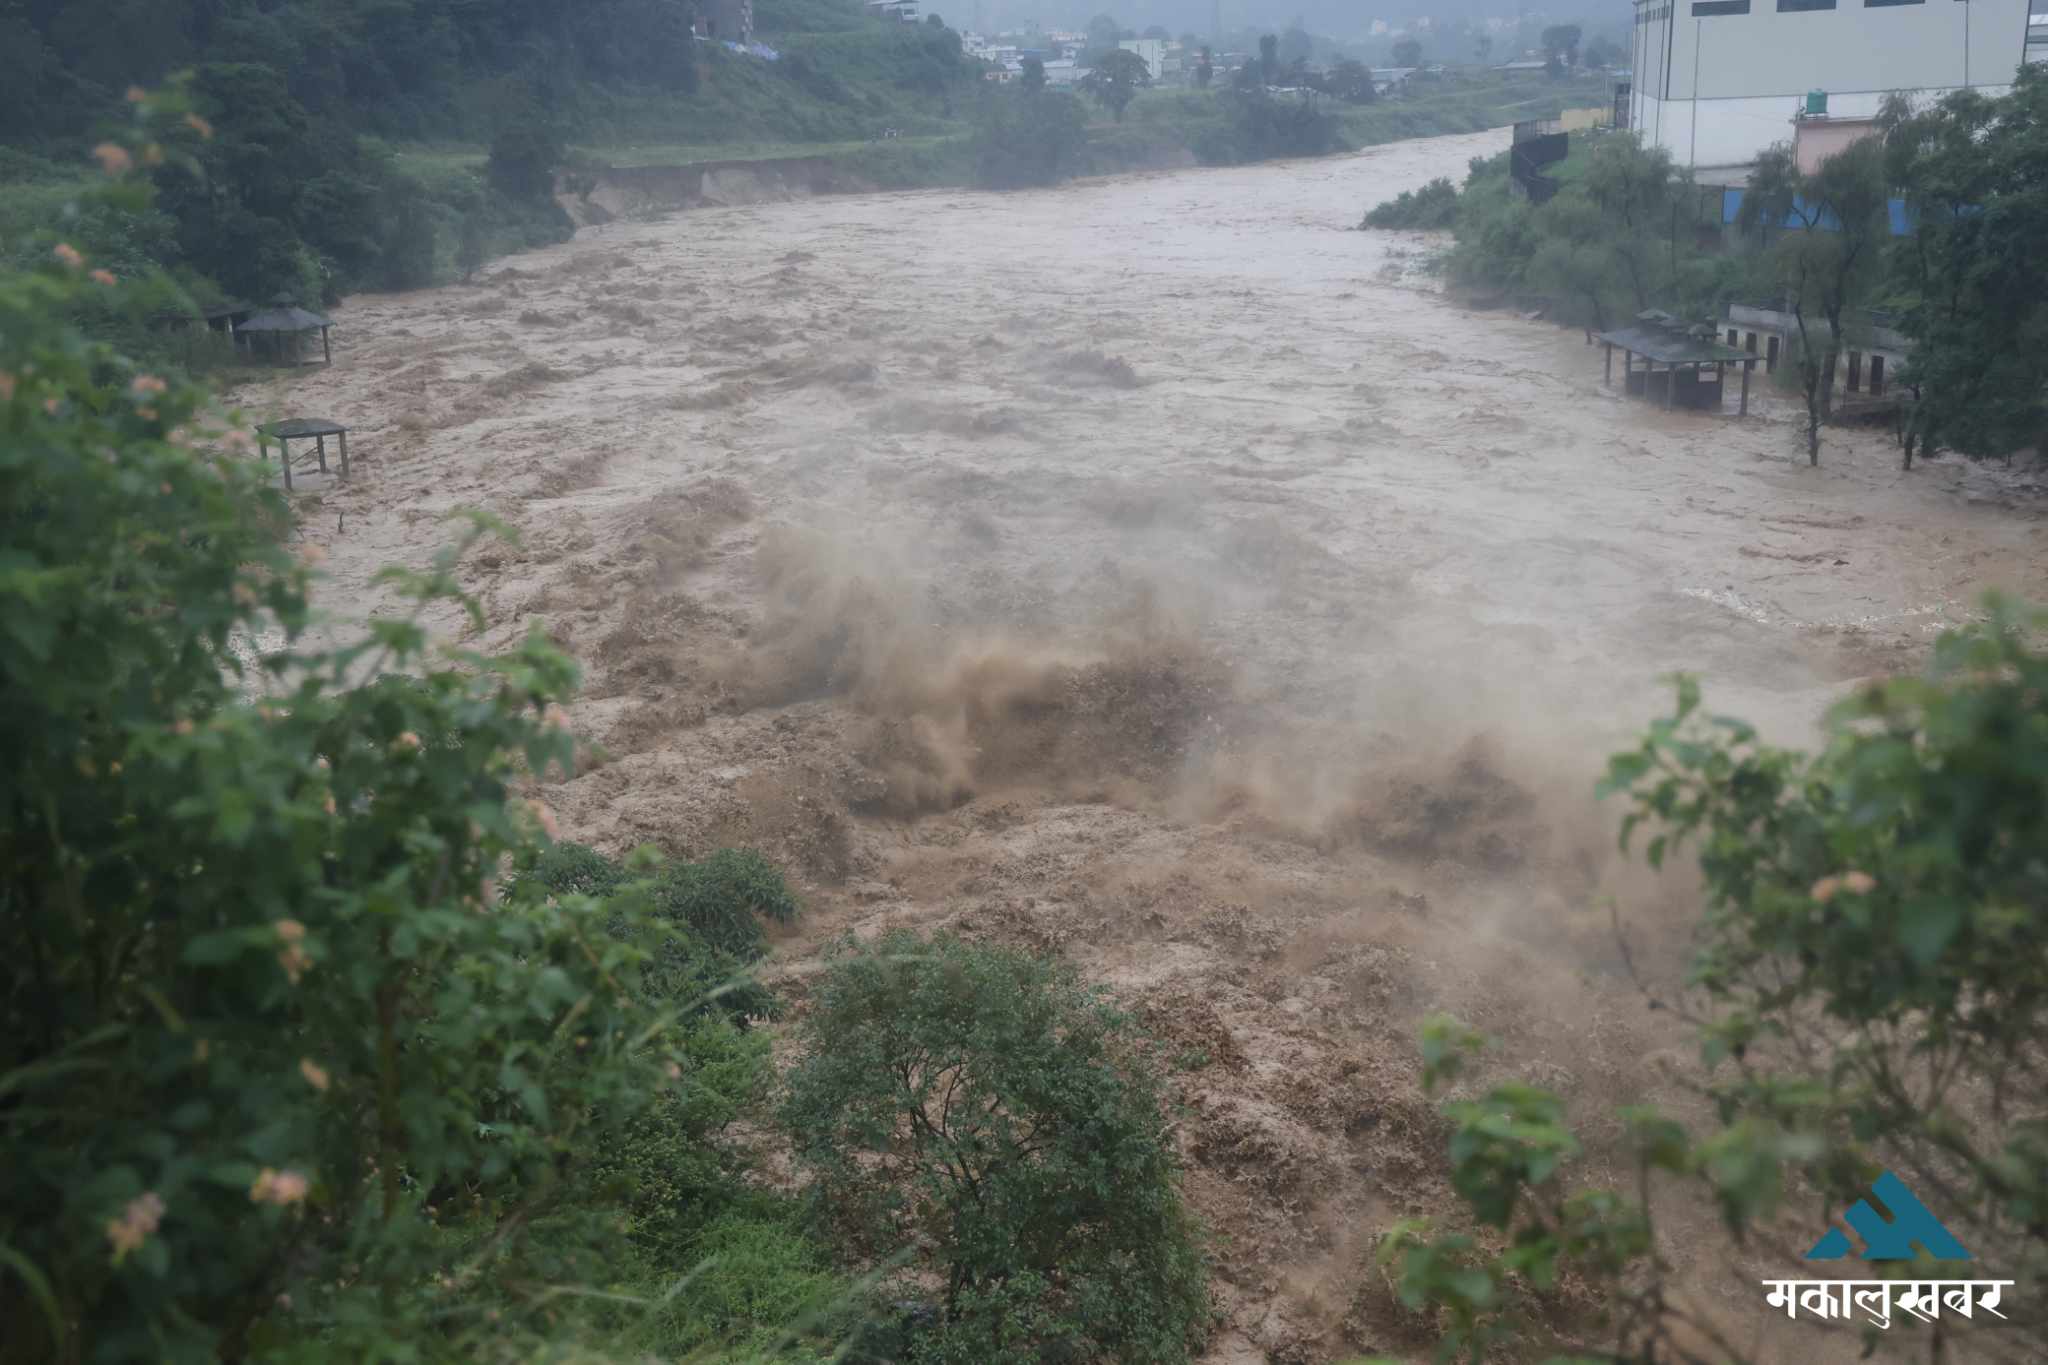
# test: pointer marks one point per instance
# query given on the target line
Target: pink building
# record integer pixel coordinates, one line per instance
(1816, 137)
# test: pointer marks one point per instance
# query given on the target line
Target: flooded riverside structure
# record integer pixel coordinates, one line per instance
(1685, 353)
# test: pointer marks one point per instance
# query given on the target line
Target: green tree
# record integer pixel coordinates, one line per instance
(266, 1019)
(524, 155)
(1205, 70)
(1603, 53)
(1434, 207)
(1033, 78)
(1262, 125)
(1014, 1118)
(1351, 81)
(1269, 59)
(1408, 53)
(1482, 48)
(1116, 79)
(1296, 46)
(1615, 239)
(1975, 292)
(470, 248)
(1561, 43)
(1825, 235)
(1870, 992)
(1029, 137)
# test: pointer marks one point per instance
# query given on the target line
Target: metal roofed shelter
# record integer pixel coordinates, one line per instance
(1684, 353)
(315, 429)
(286, 327)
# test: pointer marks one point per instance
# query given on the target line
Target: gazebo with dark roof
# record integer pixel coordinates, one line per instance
(286, 325)
(1684, 352)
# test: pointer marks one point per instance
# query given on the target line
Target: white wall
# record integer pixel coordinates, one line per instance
(1717, 90)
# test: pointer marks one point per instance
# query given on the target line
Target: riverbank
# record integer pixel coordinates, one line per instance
(1163, 130)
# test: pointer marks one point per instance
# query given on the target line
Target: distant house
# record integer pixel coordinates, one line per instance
(1530, 64)
(1151, 51)
(905, 10)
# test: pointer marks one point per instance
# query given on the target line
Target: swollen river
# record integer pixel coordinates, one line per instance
(1159, 571)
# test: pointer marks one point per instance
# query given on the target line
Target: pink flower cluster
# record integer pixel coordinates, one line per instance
(282, 1188)
(136, 1223)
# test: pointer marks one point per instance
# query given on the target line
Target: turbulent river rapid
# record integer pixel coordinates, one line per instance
(1159, 571)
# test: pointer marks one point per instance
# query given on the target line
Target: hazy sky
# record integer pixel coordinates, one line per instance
(1336, 18)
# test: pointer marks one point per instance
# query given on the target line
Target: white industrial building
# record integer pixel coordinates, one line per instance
(1151, 51)
(1717, 81)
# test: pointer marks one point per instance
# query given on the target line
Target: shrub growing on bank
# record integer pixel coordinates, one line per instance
(1013, 1117)
(1433, 208)
(1027, 138)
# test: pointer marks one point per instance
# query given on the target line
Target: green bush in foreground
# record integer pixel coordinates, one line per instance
(1013, 1118)
(1871, 994)
(283, 1074)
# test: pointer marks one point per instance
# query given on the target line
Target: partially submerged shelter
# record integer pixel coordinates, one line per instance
(284, 332)
(219, 321)
(1684, 353)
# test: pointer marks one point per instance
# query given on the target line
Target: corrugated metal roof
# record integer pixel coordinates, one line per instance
(1669, 347)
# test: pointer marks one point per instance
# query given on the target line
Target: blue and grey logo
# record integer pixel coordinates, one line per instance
(1890, 1241)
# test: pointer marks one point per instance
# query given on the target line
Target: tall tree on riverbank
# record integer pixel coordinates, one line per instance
(1830, 228)
(1974, 271)
(1116, 80)
(1561, 43)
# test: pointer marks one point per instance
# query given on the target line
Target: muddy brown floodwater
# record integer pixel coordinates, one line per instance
(1157, 571)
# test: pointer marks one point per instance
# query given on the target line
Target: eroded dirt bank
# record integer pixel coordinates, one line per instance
(1157, 571)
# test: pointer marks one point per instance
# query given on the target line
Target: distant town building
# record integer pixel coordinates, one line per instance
(906, 10)
(1152, 51)
(1717, 81)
